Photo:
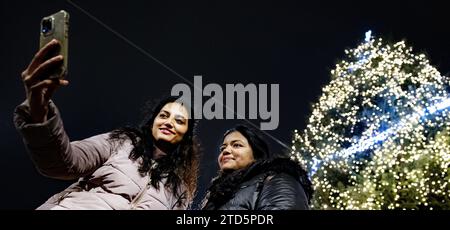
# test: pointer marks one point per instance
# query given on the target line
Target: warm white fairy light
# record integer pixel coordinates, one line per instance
(379, 137)
(368, 143)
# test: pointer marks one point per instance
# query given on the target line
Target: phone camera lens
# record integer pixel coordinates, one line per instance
(46, 25)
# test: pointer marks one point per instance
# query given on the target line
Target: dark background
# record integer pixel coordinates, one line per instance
(293, 44)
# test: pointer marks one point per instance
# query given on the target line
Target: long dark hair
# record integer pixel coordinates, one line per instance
(180, 167)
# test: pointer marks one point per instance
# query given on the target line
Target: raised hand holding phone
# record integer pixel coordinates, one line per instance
(45, 72)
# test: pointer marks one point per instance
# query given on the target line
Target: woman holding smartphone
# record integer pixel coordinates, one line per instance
(153, 166)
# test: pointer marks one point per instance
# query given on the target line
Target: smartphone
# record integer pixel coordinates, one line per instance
(56, 26)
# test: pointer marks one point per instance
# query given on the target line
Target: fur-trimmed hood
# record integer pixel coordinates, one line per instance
(226, 185)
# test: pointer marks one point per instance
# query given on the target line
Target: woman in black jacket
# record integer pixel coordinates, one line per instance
(250, 178)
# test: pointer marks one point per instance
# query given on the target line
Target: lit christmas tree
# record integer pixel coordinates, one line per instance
(379, 137)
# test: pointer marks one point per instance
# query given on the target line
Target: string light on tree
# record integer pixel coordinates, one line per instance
(379, 136)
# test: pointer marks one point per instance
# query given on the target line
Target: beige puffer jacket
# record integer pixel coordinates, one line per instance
(107, 178)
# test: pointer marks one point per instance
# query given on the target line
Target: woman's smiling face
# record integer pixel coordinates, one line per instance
(171, 123)
(235, 152)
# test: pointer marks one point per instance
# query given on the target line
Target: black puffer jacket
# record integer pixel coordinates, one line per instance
(280, 184)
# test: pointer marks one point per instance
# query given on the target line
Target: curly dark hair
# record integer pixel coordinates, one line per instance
(180, 167)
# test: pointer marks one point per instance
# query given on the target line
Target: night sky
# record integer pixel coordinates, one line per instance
(293, 44)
